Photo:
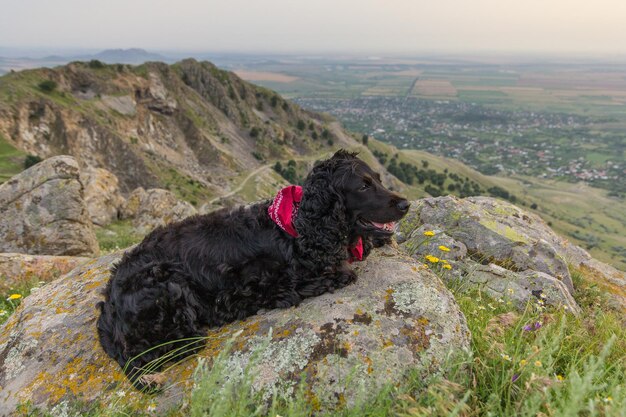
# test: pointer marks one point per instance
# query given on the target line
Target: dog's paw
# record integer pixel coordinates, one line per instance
(288, 300)
(345, 277)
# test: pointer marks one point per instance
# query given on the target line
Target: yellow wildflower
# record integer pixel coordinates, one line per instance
(510, 290)
(432, 259)
(538, 364)
(523, 362)
(429, 233)
(444, 248)
(560, 377)
(608, 399)
(14, 297)
(506, 357)
(447, 266)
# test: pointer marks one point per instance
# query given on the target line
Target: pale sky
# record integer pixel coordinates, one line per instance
(318, 26)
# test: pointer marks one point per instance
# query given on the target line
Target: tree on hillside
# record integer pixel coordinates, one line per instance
(47, 86)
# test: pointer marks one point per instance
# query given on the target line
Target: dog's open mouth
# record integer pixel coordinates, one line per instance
(386, 227)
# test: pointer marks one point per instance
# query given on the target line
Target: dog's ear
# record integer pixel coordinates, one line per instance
(319, 188)
(321, 221)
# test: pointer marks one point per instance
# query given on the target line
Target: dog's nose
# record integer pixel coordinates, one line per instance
(403, 205)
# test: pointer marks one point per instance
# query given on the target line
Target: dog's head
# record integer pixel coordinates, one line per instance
(369, 208)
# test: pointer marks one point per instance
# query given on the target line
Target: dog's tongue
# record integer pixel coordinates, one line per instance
(385, 226)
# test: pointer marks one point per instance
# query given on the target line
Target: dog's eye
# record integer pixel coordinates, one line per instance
(367, 183)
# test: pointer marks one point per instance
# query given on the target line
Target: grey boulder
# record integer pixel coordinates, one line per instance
(42, 211)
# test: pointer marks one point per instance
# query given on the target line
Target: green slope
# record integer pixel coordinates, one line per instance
(11, 160)
(585, 215)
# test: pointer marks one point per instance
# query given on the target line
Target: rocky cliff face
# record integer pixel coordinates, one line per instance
(189, 127)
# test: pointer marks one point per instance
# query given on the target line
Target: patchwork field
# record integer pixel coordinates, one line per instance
(586, 87)
(265, 76)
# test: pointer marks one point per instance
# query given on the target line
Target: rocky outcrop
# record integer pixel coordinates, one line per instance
(517, 287)
(155, 207)
(42, 211)
(502, 248)
(102, 195)
(396, 317)
(19, 270)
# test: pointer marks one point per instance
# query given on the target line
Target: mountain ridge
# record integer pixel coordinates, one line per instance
(156, 124)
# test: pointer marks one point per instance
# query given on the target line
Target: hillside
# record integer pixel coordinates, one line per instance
(189, 127)
(586, 215)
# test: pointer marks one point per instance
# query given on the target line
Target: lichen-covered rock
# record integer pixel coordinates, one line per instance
(420, 245)
(42, 211)
(496, 232)
(102, 195)
(395, 318)
(130, 208)
(519, 287)
(17, 269)
(155, 207)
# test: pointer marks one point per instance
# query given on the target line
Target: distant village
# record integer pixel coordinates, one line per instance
(546, 145)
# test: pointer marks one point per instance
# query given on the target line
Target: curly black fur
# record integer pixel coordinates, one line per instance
(213, 269)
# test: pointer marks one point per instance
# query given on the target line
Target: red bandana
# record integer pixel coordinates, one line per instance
(285, 208)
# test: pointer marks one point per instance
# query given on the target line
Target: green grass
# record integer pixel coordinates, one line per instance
(117, 235)
(11, 160)
(12, 299)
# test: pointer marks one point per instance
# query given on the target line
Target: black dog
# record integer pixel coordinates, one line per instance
(213, 269)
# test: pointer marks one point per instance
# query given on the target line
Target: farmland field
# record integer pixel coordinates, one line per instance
(582, 87)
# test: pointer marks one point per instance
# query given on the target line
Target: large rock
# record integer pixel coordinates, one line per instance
(483, 231)
(19, 270)
(102, 195)
(42, 211)
(395, 318)
(519, 287)
(155, 207)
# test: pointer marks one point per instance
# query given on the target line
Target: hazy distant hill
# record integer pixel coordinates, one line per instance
(128, 56)
(133, 56)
